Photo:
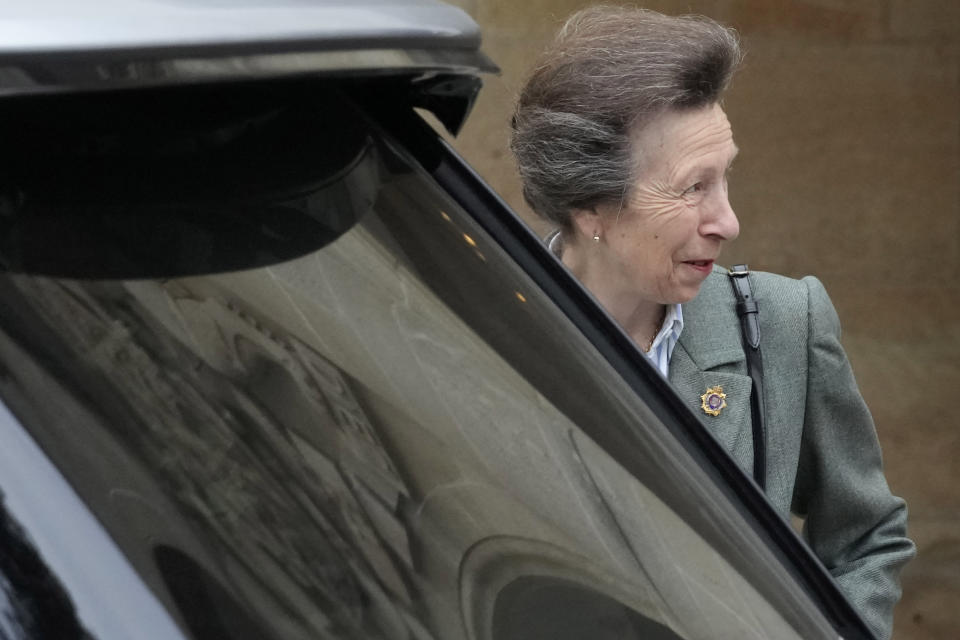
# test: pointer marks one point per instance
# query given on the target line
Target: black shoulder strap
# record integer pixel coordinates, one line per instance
(750, 328)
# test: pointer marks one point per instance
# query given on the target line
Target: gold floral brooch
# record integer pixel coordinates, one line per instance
(713, 401)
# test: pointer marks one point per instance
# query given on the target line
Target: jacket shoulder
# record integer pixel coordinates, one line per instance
(780, 293)
(784, 303)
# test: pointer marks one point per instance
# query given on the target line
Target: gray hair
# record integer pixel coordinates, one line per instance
(610, 71)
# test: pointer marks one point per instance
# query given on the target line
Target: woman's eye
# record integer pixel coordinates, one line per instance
(693, 189)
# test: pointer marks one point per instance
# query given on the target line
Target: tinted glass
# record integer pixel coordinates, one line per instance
(61, 576)
(385, 437)
(148, 184)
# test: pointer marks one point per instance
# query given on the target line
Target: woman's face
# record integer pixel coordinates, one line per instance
(663, 243)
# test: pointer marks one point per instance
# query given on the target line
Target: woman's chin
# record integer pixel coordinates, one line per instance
(684, 295)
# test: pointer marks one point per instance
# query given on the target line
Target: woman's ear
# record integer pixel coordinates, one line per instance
(587, 224)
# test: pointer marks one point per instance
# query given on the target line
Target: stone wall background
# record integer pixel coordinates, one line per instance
(847, 114)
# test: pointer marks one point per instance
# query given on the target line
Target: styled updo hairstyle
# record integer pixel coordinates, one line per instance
(610, 71)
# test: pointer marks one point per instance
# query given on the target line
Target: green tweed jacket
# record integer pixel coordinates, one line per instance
(823, 458)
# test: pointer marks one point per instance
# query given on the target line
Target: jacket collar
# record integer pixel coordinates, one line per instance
(710, 339)
(711, 329)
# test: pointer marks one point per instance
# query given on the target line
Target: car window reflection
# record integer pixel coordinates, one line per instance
(384, 438)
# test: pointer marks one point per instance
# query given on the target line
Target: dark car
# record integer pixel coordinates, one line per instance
(274, 363)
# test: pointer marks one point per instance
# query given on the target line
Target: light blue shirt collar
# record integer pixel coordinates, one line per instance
(662, 348)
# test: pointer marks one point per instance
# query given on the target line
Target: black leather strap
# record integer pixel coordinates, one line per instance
(749, 314)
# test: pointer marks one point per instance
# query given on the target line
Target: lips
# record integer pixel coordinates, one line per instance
(700, 265)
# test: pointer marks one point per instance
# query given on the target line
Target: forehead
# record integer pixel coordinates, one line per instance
(685, 139)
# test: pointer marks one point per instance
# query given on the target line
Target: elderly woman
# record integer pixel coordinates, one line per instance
(622, 143)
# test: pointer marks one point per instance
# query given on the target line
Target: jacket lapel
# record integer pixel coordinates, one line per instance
(709, 354)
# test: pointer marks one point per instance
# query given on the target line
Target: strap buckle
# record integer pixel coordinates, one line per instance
(739, 271)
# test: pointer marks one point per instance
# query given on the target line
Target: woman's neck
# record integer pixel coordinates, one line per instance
(639, 317)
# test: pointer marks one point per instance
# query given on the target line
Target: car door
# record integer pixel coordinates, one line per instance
(300, 375)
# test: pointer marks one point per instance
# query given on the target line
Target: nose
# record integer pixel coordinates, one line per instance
(719, 220)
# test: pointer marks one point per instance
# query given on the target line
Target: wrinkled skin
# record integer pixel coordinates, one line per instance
(660, 245)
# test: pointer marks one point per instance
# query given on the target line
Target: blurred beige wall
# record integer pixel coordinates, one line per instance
(846, 113)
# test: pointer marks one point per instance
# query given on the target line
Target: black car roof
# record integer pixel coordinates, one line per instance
(60, 45)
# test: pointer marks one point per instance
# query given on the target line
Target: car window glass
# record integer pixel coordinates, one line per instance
(382, 438)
